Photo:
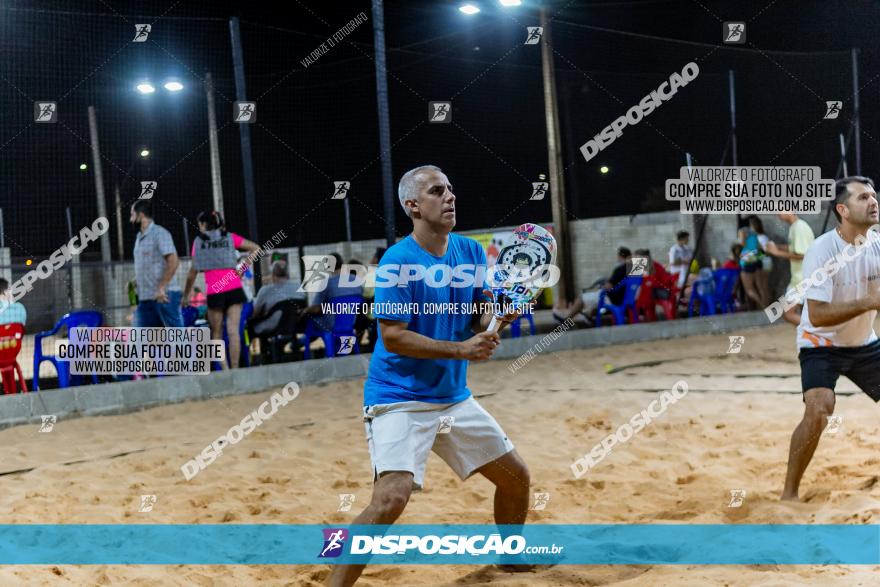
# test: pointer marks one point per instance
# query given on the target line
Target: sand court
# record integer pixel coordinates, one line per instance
(730, 431)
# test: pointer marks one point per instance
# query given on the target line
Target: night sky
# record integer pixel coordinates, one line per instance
(319, 123)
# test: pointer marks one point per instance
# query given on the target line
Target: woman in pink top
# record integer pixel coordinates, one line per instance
(215, 251)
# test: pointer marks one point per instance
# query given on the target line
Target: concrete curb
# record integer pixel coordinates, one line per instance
(132, 396)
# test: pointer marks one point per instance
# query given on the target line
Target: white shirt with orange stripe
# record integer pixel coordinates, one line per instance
(858, 275)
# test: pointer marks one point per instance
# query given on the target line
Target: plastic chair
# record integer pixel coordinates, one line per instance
(515, 329)
(343, 325)
(647, 301)
(11, 337)
(274, 341)
(87, 318)
(702, 290)
(619, 313)
(725, 284)
(190, 313)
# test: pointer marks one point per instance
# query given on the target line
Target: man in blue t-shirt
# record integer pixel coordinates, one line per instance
(416, 397)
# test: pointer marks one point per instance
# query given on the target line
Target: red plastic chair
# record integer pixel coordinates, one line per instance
(646, 303)
(11, 336)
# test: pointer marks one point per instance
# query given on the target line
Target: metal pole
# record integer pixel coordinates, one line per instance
(347, 230)
(119, 243)
(565, 287)
(99, 182)
(186, 250)
(2, 231)
(74, 262)
(843, 155)
(247, 163)
(856, 122)
(734, 154)
(388, 198)
(216, 179)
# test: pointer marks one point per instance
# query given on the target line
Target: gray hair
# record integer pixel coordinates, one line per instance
(408, 188)
(279, 269)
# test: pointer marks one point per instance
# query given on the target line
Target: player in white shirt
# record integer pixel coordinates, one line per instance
(836, 335)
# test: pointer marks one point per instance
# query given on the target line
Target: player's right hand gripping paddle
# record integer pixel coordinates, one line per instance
(524, 268)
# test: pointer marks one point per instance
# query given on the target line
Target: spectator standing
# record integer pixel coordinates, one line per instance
(155, 266)
(215, 252)
(10, 312)
(800, 237)
(680, 256)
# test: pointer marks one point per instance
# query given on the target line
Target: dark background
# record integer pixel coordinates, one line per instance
(319, 124)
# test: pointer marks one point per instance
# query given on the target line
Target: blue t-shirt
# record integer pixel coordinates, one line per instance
(395, 378)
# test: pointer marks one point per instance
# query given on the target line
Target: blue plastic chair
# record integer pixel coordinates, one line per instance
(725, 284)
(515, 329)
(90, 318)
(631, 287)
(702, 290)
(343, 325)
(189, 315)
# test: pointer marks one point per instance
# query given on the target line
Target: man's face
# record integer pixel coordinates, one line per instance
(135, 216)
(861, 207)
(436, 202)
(785, 217)
(683, 241)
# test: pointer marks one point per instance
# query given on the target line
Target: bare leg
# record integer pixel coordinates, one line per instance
(748, 281)
(763, 284)
(233, 317)
(390, 496)
(215, 319)
(819, 404)
(510, 475)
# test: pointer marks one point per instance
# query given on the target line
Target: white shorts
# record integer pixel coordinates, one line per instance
(401, 435)
(590, 300)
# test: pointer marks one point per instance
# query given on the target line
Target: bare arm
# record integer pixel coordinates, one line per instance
(401, 341)
(190, 281)
(172, 262)
(827, 314)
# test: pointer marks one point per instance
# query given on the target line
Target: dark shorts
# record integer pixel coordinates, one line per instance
(225, 299)
(752, 267)
(820, 367)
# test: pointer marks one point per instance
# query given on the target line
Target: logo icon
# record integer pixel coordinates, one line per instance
(446, 423)
(534, 35)
(48, 423)
(340, 190)
(539, 189)
(334, 540)
(45, 112)
(244, 112)
(735, 33)
(639, 266)
(346, 345)
(737, 496)
(440, 112)
(142, 31)
(318, 270)
(736, 344)
(834, 423)
(345, 502)
(832, 109)
(148, 189)
(541, 500)
(147, 503)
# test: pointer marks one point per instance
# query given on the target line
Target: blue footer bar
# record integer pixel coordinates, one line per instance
(266, 544)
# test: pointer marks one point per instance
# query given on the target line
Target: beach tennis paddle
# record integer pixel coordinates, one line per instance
(524, 268)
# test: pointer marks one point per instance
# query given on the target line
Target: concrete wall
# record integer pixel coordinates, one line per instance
(130, 396)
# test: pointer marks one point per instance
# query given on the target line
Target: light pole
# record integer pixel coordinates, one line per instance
(565, 287)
